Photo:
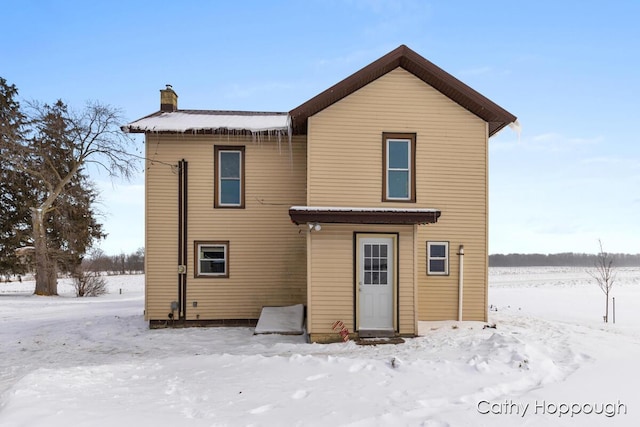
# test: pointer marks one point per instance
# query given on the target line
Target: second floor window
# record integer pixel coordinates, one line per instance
(399, 167)
(229, 172)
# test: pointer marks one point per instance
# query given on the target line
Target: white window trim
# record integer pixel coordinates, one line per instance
(219, 178)
(199, 246)
(445, 258)
(408, 141)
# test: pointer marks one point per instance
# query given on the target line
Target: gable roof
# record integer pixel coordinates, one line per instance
(403, 57)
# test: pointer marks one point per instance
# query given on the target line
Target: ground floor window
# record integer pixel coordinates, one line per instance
(212, 259)
(438, 258)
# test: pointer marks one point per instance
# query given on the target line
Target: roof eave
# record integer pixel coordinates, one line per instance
(129, 129)
(495, 127)
(417, 65)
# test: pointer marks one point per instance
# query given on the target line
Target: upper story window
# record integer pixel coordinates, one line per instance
(399, 167)
(229, 177)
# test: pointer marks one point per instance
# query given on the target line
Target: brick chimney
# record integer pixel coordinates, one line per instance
(168, 100)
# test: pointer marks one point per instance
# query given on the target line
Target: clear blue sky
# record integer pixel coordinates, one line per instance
(570, 71)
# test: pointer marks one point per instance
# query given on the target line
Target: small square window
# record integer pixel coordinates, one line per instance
(438, 258)
(212, 259)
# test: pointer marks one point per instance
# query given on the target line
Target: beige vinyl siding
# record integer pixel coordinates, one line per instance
(331, 287)
(345, 169)
(267, 254)
(406, 300)
(331, 290)
(161, 237)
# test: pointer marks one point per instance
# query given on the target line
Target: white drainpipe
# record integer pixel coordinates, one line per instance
(460, 281)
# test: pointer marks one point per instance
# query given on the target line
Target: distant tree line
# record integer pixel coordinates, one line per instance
(567, 259)
(96, 262)
(99, 262)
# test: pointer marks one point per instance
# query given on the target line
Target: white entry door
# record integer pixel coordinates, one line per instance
(375, 283)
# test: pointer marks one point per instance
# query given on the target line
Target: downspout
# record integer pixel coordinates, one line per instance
(460, 281)
(416, 308)
(311, 332)
(185, 223)
(179, 242)
(182, 238)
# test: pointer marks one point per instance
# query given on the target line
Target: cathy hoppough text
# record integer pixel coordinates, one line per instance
(559, 409)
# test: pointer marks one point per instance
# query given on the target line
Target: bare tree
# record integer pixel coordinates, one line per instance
(604, 275)
(62, 143)
(97, 262)
(135, 261)
(88, 283)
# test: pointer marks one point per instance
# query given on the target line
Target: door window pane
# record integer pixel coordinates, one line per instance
(375, 264)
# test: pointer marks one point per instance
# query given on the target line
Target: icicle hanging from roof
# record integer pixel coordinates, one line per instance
(219, 122)
(516, 127)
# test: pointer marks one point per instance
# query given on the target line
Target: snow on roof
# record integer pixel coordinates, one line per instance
(199, 120)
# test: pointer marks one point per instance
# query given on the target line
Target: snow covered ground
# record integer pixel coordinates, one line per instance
(93, 362)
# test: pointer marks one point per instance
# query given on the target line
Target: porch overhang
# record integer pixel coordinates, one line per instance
(359, 215)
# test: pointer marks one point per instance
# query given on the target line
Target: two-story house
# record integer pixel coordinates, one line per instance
(368, 204)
